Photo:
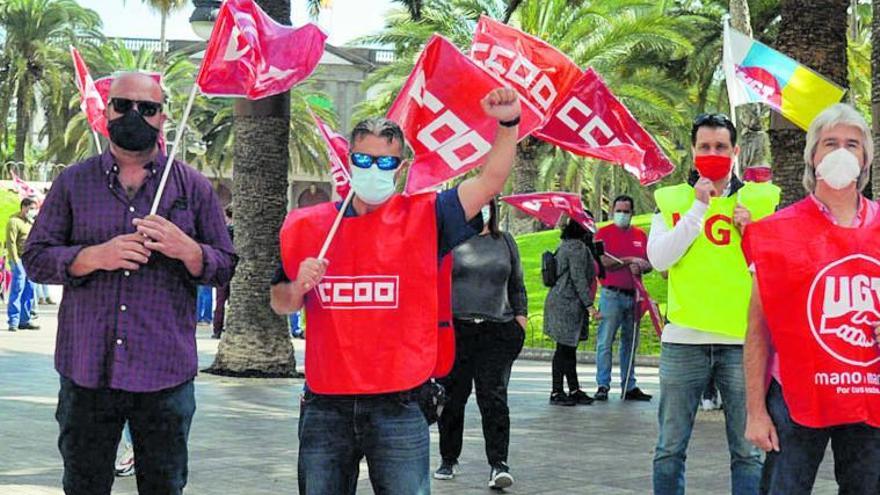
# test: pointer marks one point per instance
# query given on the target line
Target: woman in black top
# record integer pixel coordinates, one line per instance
(489, 308)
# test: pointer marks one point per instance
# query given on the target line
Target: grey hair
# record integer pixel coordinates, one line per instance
(835, 115)
(380, 127)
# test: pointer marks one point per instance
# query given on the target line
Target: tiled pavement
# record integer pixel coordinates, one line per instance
(243, 439)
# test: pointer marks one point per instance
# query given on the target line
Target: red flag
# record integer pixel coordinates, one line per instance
(647, 305)
(548, 207)
(539, 72)
(92, 104)
(337, 148)
(24, 189)
(251, 55)
(439, 111)
(592, 122)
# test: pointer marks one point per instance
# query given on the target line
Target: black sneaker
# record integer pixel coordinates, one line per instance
(446, 471)
(28, 326)
(499, 476)
(561, 399)
(601, 394)
(637, 394)
(581, 398)
(12, 329)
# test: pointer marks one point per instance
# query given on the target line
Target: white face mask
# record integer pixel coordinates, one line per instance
(32, 214)
(839, 169)
(486, 212)
(372, 185)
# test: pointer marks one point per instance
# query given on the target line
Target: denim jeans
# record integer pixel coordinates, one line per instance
(484, 355)
(21, 297)
(856, 449)
(91, 421)
(617, 312)
(335, 433)
(684, 372)
(204, 303)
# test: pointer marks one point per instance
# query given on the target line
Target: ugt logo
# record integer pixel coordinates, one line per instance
(843, 308)
(362, 292)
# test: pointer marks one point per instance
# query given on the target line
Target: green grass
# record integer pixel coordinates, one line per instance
(531, 246)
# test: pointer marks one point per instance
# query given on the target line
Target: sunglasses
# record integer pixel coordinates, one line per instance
(714, 119)
(363, 160)
(145, 108)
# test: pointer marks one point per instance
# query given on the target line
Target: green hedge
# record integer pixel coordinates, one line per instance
(531, 246)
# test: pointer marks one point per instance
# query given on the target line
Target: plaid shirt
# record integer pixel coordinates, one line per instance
(127, 330)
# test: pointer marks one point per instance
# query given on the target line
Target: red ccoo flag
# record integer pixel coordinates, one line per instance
(251, 55)
(337, 149)
(548, 207)
(439, 111)
(91, 101)
(590, 121)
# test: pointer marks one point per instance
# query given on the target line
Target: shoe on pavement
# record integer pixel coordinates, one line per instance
(215, 335)
(446, 471)
(581, 398)
(28, 326)
(41, 301)
(12, 329)
(125, 464)
(637, 394)
(561, 399)
(499, 476)
(50, 302)
(601, 394)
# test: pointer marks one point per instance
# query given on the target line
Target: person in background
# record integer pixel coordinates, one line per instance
(43, 295)
(125, 461)
(625, 260)
(490, 310)
(566, 311)
(296, 328)
(223, 291)
(205, 304)
(22, 291)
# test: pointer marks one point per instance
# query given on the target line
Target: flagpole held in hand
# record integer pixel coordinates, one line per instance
(177, 139)
(336, 223)
(97, 141)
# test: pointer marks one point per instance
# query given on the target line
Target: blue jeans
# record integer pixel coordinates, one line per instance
(336, 432)
(295, 330)
(684, 372)
(205, 304)
(856, 449)
(21, 297)
(91, 421)
(617, 312)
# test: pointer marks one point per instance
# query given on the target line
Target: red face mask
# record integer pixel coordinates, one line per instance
(713, 167)
(758, 174)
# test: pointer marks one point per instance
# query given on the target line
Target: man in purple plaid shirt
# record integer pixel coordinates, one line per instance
(126, 347)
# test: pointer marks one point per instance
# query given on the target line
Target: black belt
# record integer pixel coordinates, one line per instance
(405, 395)
(628, 292)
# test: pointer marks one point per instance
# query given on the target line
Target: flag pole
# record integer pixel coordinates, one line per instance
(97, 141)
(177, 139)
(632, 352)
(336, 223)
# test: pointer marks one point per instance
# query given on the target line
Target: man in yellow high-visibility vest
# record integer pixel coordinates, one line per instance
(696, 236)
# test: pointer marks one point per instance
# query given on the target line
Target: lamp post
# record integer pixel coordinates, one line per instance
(203, 17)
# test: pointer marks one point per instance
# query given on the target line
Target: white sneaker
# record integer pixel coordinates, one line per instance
(125, 463)
(707, 404)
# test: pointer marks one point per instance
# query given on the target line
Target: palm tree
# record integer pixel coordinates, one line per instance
(165, 8)
(817, 38)
(256, 341)
(35, 54)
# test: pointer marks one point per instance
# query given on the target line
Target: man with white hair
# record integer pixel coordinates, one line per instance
(811, 358)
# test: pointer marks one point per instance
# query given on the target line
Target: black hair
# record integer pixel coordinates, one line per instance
(574, 230)
(625, 198)
(26, 202)
(494, 230)
(714, 121)
(378, 126)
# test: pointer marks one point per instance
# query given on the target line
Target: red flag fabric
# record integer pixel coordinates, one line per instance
(539, 72)
(647, 305)
(820, 299)
(24, 189)
(337, 149)
(592, 122)
(251, 55)
(91, 102)
(548, 207)
(439, 111)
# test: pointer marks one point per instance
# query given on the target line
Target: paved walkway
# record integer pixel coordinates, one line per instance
(243, 439)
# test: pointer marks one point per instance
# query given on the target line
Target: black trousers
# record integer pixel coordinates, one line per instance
(484, 355)
(565, 365)
(91, 420)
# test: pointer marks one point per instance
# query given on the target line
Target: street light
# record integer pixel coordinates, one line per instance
(203, 17)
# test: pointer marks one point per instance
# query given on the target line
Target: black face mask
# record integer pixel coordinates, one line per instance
(131, 132)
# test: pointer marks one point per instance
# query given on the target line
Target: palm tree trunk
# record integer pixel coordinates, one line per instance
(875, 97)
(525, 179)
(815, 37)
(22, 118)
(256, 341)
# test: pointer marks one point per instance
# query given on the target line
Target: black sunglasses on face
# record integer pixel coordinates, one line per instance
(145, 108)
(715, 119)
